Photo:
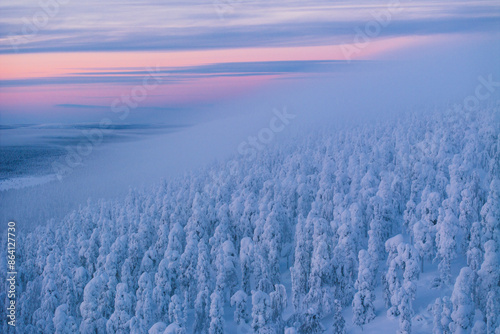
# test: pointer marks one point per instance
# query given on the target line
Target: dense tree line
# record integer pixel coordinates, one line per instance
(343, 211)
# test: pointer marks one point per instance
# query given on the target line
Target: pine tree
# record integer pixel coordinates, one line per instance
(489, 274)
(311, 323)
(239, 302)
(446, 240)
(479, 327)
(272, 240)
(357, 223)
(467, 216)
(446, 315)
(344, 257)
(119, 320)
(216, 313)
(424, 240)
(50, 296)
(394, 288)
(176, 312)
(493, 310)
(63, 322)
(162, 289)
(173, 254)
(145, 309)
(92, 320)
(158, 328)
(378, 232)
(188, 263)
(405, 312)
(338, 325)
(246, 261)
(463, 302)
(226, 264)
(302, 266)
(490, 213)
(202, 311)
(437, 310)
(362, 307)
(321, 277)
(409, 216)
(279, 301)
(362, 304)
(474, 252)
(261, 311)
(408, 256)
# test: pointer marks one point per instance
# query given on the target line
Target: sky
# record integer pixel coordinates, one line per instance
(64, 61)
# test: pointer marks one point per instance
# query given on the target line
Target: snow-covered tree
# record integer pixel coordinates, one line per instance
(145, 309)
(302, 266)
(362, 307)
(446, 240)
(474, 252)
(50, 296)
(467, 216)
(394, 289)
(403, 263)
(489, 274)
(216, 313)
(158, 328)
(63, 322)
(490, 213)
(173, 254)
(246, 262)
(202, 311)
(278, 304)
(202, 302)
(311, 323)
(239, 302)
(362, 304)
(378, 232)
(227, 265)
(424, 234)
(119, 321)
(437, 310)
(92, 320)
(143, 264)
(176, 312)
(446, 315)
(338, 325)
(319, 296)
(261, 312)
(479, 327)
(162, 289)
(272, 241)
(493, 310)
(409, 216)
(344, 257)
(405, 312)
(463, 302)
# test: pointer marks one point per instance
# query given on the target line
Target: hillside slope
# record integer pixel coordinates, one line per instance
(385, 227)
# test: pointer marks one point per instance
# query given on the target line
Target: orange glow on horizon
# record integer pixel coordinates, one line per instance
(197, 90)
(38, 65)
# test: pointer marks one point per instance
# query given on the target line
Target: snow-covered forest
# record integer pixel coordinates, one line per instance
(394, 224)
